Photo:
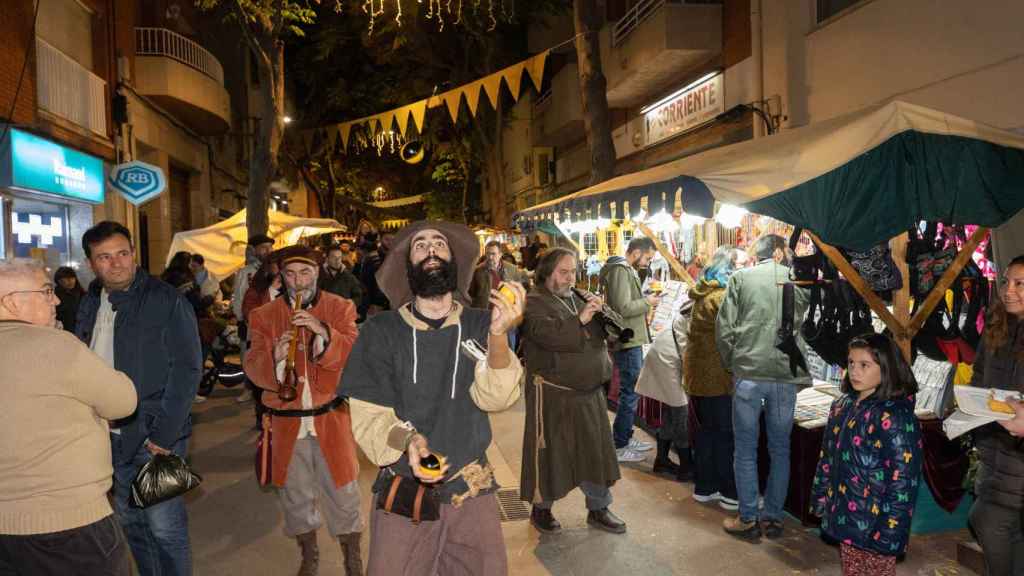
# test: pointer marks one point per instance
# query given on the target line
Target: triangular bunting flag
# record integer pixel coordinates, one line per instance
(372, 125)
(492, 86)
(388, 119)
(513, 75)
(345, 129)
(472, 92)
(331, 135)
(536, 68)
(419, 112)
(402, 117)
(452, 99)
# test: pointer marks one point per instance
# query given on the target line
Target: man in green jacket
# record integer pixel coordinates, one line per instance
(746, 332)
(621, 286)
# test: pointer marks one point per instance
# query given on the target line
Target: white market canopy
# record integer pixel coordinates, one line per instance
(855, 180)
(223, 244)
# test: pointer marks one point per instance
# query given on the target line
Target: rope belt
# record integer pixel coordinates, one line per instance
(477, 477)
(538, 403)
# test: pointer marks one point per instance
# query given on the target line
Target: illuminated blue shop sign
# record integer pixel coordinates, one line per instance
(35, 164)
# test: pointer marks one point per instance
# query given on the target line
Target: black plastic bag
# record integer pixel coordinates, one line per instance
(162, 478)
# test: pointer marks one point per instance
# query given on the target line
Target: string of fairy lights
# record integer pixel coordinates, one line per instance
(443, 11)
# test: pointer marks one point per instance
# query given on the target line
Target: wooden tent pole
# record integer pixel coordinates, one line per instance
(861, 286)
(676, 266)
(579, 251)
(948, 277)
(901, 297)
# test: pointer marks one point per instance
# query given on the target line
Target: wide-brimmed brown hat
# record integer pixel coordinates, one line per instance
(297, 253)
(393, 279)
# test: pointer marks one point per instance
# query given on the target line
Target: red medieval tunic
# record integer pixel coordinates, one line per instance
(333, 429)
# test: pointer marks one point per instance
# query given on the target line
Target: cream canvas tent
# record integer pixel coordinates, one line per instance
(223, 244)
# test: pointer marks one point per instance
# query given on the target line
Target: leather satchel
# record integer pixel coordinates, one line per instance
(803, 268)
(785, 339)
(408, 497)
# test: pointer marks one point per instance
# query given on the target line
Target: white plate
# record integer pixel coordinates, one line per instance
(974, 401)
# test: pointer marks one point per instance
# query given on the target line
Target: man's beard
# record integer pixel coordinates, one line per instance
(433, 283)
(307, 294)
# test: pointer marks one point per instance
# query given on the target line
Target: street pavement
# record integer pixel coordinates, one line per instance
(236, 527)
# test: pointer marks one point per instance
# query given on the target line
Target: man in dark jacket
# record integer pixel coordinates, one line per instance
(567, 442)
(143, 327)
(375, 300)
(337, 279)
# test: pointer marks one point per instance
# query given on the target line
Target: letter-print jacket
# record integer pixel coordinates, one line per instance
(868, 473)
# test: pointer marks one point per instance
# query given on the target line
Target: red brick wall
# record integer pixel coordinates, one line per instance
(16, 31)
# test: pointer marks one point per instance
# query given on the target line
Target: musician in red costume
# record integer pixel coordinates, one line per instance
(314, 456)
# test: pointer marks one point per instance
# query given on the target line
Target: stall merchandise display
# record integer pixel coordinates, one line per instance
(934, 387)
(812, 405)
(673, 295)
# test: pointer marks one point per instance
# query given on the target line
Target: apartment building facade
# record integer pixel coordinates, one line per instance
(773, 63)
(106, 82)
(673, 69)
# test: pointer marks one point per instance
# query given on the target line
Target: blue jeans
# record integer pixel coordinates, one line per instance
(629, 362)
(157, 535)
(778, 401)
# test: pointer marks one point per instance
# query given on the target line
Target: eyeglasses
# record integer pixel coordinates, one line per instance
(46, 292)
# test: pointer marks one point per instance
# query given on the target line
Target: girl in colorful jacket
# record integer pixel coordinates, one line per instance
(870, 463)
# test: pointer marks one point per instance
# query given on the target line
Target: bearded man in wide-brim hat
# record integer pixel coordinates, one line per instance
(415, 391)
(314, 463)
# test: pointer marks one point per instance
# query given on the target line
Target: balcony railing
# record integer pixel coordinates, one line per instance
(642, 11)
(164, 42)
(66, 89)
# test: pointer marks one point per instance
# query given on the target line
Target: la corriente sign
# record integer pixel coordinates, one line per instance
(686, 109)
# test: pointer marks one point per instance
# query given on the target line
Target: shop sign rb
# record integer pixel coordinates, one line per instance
(137, 181)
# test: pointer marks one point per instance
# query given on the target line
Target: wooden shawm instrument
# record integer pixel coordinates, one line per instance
(289, 389)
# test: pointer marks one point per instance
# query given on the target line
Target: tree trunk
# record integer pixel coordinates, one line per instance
(263, 164)
(593, 87)
(496, 170)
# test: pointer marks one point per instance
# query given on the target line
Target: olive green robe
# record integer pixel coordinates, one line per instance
(572, 442)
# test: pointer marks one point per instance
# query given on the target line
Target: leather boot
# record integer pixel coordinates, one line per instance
(662, 463)
(352, 553)
(544, 521)
(310, 554)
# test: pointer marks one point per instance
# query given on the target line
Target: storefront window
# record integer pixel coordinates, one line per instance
(40, 230)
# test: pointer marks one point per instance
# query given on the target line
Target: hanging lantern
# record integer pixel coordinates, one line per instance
(413, 152)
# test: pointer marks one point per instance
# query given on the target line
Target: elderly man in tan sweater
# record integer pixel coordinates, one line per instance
(55, 463)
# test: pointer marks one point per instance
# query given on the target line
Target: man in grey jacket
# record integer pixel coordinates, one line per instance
(260, 247)
(746, 331)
